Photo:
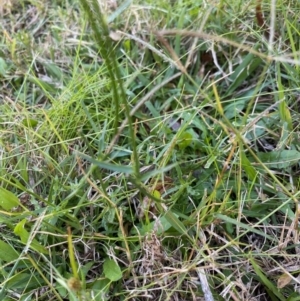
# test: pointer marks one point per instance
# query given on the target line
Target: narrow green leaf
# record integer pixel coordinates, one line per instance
(54, 70)
(71, 254)
(108, 166)
(265, 281)
(156, 172)
(43, 85)
(8, 200)
(118, 11)
(241, 225)
(284, 110)
(112, 270)
(175, 222)
(210, 160)
(245, 69)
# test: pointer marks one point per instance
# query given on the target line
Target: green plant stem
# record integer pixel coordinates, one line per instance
(101, 32)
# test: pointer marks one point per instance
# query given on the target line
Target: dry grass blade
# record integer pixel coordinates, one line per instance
(204, 285)
(215, 38)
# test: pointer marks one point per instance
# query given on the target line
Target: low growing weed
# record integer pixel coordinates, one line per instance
(149, 150)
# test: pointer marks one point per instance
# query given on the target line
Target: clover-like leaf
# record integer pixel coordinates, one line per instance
(112, 270)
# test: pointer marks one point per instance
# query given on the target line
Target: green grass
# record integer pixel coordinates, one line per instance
(149, 150)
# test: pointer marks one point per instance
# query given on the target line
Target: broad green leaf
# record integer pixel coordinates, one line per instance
(85, 269)
(31, 123)
(19, 229)
(101, 289)
(293, 297)
(24, 236)
(112, 270)
(246, 164)
(184, 140)
(19, 280)
(23, 280)
(285, 114)
(233, 108)
(3, 66)
(8, 200)
(156, 194)
(280, 159)
(7, 252)
(127, 45)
